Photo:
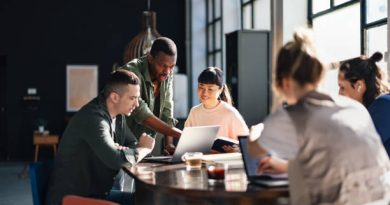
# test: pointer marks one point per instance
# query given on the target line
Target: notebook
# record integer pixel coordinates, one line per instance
(193, 139)
(251, 164)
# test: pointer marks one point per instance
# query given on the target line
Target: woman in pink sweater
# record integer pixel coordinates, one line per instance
(216, 108)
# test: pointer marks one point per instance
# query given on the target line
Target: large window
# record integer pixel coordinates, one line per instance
(375, 30)
(345, 29)
(214, 33)
(255, 14)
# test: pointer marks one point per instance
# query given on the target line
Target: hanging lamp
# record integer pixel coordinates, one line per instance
(140, 45)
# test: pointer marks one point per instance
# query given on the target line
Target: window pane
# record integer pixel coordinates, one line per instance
(320, 5)
(247, 14)
(211, 39)
(211, 60)
(244, 1)
(377, 41)
(329, 82)
(337, 34)
(217, 8)
(262, 14)
(210, 10)
(338, 2)
(218, 34)
(218, 60)
(337, 37)
(376, 10)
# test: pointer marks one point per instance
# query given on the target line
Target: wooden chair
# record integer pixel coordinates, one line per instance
(78, 200)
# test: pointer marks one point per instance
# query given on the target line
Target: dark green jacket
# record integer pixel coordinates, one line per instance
(146, 104)
(87, 159)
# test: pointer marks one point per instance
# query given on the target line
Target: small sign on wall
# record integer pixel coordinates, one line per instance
(81, 85)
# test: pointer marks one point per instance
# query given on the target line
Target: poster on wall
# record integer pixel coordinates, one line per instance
(81, 85)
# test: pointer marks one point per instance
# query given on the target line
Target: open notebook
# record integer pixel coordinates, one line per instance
(251, 164)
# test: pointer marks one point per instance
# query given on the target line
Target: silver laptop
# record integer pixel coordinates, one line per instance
(193, 139)
(251, 164)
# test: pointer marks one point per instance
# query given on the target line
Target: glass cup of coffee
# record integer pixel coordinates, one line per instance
(216, 172)
(193, 160)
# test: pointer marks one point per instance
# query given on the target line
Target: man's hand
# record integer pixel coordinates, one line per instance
(272, 164)
(162, 127)
(146, 141)
(120, 147)
(169, 149)
(176, 132)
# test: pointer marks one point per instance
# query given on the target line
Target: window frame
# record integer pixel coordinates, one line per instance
(211, 24)
(364, 26)
(248, 3)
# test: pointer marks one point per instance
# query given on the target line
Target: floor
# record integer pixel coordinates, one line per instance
(14, 185)
(15, 188)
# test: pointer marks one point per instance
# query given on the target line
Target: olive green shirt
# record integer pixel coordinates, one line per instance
(88, 159)
(147, 102)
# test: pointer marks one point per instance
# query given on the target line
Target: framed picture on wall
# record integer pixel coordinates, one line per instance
(81, 85)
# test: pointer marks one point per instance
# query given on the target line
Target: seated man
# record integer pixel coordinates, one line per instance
(97, 143)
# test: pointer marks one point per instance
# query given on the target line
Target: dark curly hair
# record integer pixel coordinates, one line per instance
(363, 68)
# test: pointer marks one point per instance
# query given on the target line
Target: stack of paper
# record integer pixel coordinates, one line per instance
(234, 160)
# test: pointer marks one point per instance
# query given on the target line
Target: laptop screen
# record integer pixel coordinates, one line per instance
(250, 163)
(195, 139)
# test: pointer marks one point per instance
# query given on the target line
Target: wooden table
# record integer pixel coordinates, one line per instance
(46, 140)
(173, 184)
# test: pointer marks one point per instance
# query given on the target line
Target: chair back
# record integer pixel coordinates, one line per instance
(78, 200)
(39, 177)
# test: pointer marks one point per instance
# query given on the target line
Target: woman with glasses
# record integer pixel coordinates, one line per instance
(216, 108)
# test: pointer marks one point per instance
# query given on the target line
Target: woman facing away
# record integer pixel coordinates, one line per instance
(216, 108)
(361, 79)
(328, 146)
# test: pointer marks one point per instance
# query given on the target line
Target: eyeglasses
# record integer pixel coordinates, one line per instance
(208, 90)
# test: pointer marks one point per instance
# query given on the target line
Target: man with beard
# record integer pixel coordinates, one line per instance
(155, 111)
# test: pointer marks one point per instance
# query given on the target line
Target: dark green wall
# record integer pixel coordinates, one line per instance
(39, 38)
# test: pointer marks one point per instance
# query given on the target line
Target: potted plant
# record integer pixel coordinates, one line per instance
(41, 124)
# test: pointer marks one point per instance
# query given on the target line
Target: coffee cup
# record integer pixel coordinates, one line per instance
(193, 160)
(216, 172)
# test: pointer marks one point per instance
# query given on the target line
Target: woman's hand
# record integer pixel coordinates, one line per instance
(230, 149)
(272, 164)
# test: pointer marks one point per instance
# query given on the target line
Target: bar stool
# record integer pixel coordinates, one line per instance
(44, 140)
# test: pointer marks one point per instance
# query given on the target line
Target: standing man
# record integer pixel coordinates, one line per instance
(155, 71)
(96, 144)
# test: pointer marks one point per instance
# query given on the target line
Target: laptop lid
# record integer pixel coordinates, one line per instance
(195, 139)
(251, 164)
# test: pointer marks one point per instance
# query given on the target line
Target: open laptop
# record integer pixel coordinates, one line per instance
(193, 139)
(251, 164)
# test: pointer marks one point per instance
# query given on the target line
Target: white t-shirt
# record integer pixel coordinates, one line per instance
(279, 135)
(231, 122)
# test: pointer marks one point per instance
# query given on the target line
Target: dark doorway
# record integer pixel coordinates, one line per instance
(3, 126)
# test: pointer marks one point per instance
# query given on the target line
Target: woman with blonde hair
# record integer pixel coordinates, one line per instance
(317, 138)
